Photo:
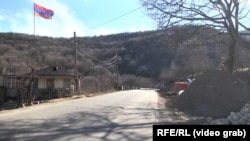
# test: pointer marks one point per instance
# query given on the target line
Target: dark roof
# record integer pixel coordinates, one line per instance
(53, 71)
(11, 75)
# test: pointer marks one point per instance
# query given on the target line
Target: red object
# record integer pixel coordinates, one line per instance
(178, 86)
(43, 12)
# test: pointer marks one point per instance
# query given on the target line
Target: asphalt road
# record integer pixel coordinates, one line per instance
(123, 116)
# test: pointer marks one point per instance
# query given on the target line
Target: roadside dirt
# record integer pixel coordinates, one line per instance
(11, 105)
(214, 94)
(170, 115)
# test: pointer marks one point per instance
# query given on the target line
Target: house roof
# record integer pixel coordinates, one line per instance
(53, 71)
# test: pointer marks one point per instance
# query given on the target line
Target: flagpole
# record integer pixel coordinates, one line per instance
(41, 12)
(34, 21)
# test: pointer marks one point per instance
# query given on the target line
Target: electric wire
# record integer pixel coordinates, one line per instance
(112, 20)
(106, 64)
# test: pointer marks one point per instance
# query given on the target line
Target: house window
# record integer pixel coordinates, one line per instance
(10, 82)
(66, 83)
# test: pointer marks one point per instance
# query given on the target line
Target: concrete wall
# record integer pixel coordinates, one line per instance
(41, 83)
(58, 83)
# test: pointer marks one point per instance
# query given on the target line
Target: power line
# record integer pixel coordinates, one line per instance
(107, 63)
(110, 62)
(114, 19)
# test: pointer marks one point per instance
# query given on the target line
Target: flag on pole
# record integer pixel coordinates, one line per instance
(43, 12)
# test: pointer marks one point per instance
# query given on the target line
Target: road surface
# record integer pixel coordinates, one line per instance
(123, 116)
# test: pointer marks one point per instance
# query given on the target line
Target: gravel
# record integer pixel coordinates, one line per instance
(234, 118)
(215, 94)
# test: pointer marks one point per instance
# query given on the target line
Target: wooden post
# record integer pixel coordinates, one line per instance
(76, 69)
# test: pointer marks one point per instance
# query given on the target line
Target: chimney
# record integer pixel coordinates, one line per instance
(56, 68)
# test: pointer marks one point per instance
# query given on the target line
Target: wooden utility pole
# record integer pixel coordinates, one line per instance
(76, 69)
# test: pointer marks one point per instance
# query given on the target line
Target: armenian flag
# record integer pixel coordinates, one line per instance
(43, 12)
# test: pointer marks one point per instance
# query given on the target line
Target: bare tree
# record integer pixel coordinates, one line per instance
(227, 16)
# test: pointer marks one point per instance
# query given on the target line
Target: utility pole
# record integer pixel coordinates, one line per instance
(76, 69)
(117, 67)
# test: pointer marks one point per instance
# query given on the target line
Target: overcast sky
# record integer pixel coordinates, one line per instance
(85, 17)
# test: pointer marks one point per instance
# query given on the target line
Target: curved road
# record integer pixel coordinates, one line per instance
(123, 116)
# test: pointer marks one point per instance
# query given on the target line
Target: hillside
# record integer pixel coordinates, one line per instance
(147, 57)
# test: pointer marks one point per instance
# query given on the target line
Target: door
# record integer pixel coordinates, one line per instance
(51, 84)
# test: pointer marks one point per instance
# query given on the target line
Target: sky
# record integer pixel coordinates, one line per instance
(85, 17)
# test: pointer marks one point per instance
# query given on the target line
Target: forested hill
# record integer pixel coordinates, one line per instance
(160, 54)
(138, 52)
